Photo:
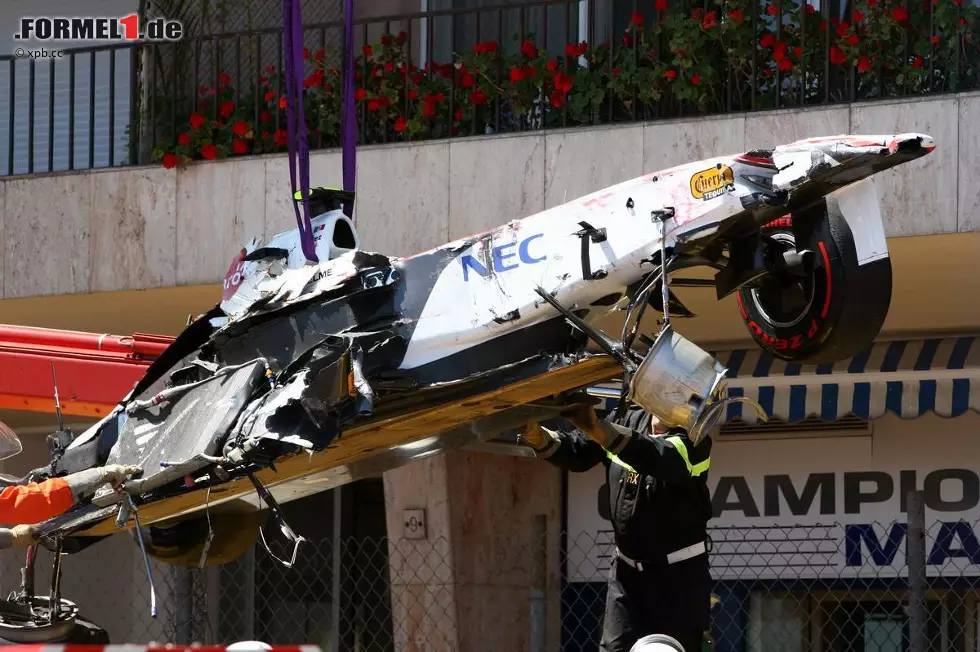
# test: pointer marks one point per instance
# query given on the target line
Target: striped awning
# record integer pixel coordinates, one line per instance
(906, 377)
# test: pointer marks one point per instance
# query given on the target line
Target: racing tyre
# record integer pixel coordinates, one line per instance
(833, 310)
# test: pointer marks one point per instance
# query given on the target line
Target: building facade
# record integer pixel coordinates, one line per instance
(810, 532)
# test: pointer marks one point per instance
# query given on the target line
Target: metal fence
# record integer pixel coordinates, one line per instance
(827, 588)
(455, 72)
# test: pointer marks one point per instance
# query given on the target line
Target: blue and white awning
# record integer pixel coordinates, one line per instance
(906, 377)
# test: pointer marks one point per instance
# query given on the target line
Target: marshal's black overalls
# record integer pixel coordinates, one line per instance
(659, 505)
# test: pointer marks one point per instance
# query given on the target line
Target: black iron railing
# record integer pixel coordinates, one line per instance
(453, 73)
(67, 112)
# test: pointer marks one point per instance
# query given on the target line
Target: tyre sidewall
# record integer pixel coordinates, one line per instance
(850, 301)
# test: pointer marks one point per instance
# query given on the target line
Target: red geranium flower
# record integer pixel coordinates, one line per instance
(281, 138)
(270, 95)
(197, 121)
(170, 160)
(239, 146)
(864, 64)
(900, 14)
(736, 15)
(772, 10)
(478, 97)
(917, 62)
(224, 79)
(240, 128)
(466, 81)
(696, 79)
(386, 40)
(516, 75)
(485, 47)
(767, 40)
(636, 18)
(710, 20)
(671, 74)
(373, 105)
(563, 82)
(413, 93)
(265, 116)
(368, 50)
(528, 50)
(552, 65)
(226, 109)
(209, 151)
(785, 64)
(557, 99)
(282, 103)
(401, 124)
(837, 55)
(660, 5)
(184, 139)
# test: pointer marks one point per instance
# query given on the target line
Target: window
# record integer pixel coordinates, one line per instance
(777, 623)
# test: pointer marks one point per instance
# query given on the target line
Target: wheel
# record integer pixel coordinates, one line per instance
(182, 543)
(86, 632)
(820, 307)
(18, 626)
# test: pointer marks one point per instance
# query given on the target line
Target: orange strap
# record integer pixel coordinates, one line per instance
(35, 502)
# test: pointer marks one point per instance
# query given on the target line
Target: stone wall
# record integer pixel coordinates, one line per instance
(141, 228)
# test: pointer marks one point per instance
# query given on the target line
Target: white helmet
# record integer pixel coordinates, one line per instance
(657, 643)
(248, 646)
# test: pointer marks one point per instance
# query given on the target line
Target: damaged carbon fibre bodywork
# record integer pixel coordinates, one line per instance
(305, 371)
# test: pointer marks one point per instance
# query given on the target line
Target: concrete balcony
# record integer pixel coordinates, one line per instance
(140, 248)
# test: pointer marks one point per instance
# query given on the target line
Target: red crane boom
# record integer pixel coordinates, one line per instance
(94, 371)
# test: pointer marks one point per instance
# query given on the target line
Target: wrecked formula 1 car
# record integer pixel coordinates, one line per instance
(306, 376)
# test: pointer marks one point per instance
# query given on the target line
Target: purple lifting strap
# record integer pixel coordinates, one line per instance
(296, 122)
(348, 121)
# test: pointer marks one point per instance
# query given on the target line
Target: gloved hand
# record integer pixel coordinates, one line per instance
(85, 483)
(23, 536)
(116, 474)
(532, 433)
(585, 419)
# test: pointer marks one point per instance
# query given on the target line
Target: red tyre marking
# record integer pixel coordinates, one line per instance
(783, 222)
(826, 266)
(741, 306)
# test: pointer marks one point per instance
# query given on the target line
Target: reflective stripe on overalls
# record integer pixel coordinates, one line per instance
(694, 469)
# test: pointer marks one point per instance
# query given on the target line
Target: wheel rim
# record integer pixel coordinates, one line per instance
(21, 628)
(784, 302)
